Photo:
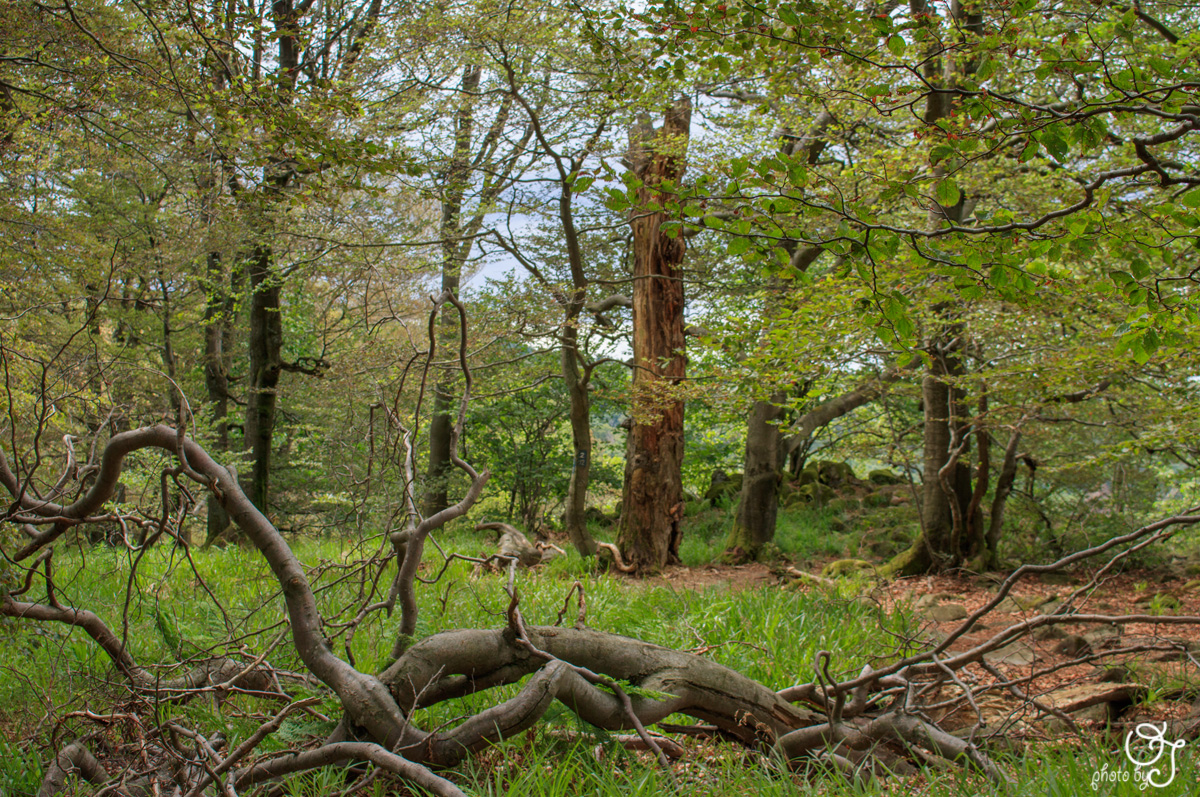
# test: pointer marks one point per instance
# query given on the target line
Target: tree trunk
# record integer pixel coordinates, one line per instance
(1004, 486)
(652, 498)
(581, 436)
(946, 474)
(266, 343)
(754, 525)
(218, 312)
(943, 510)
(454, 252)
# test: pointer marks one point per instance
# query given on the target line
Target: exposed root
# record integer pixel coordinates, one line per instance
(618, 560)
(74, 759)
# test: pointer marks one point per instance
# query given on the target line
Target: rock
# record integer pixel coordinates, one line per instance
(948, 613)
(1050, 632)
(926, 602)
(1073, 646)
(1115, 674)
(845, 567)
(931, 599)
(1056, 578)
(1186, 651)
(1050, 606)
(1076, 698)
(815, 493)
(837, 524)
(1015, 605)
(877, 499)
(844, 505)
(595, 514)
(834, 474)
(883, 477)
(723, 487)
(1016, 654)
(1102, 635)
(807, 476)
(899, 499)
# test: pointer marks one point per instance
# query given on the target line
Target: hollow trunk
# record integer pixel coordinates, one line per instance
(755, 522)
(652, 498)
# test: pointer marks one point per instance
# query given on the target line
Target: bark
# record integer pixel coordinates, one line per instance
(946, 476)
(758, 504)
(946, 481)
(453, 664)
(454, 253)
(72, 759)
(218, 332)
(1004, 487)
(581, 438)
(266, 364)
(754, 524)
(652, 497)
(975, 535)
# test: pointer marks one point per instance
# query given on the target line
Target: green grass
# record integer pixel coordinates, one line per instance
(802, 534)
(770, 633)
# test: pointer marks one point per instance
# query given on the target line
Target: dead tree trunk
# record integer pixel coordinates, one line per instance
(653, 492)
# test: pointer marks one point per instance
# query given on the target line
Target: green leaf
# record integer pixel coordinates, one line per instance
(1162, 66)
(1191, 199)
(948, 193)
(940, 153)
(897, 45)
(1057, 147)
(788, 15)
(738, 246)
(1031, 149)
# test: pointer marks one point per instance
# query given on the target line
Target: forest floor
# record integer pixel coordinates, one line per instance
(1085, 670)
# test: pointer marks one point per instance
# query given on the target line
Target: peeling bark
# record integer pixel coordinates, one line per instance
(652, 497)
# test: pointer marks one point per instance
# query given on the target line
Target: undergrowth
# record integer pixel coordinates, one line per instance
(769, 633)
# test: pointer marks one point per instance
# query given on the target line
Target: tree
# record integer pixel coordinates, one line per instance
(652, 499)
(975, 207)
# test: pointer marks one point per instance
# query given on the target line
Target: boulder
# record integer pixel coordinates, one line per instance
(596, 515)
(1073, 646)
(948, 613)
(1102, 635)
(1094, 701)
(1016, 654)
(723, 487)
(883, 477)
(814, 493)
(844, 505)
(834, 474)
(846, 567)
